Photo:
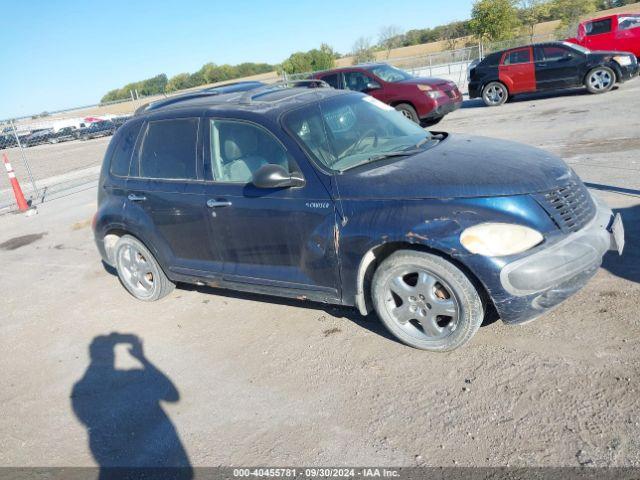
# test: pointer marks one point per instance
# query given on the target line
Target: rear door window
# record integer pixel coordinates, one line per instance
(121, 159)
(598, 27)
(169, 150)
(517, 56)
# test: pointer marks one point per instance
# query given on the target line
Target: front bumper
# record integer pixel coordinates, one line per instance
(443, 107)
(629, 72)
(536, 283)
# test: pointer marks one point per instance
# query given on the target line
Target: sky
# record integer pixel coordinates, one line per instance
(63, 54)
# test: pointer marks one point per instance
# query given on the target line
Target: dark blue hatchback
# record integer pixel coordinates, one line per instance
(332, 196)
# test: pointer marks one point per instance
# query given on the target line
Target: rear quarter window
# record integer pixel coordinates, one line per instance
(491, 60)
(123, 151)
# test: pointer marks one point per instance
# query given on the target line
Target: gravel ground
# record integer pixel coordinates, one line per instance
(236, 379)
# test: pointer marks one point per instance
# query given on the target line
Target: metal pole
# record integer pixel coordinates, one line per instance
(24, 160)
(133, 100)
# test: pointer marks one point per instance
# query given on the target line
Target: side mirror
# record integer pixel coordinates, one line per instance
(275, 176)
(371, 85)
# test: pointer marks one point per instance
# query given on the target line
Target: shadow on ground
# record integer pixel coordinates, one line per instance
(528, 97)
(627, 265)
(130, 435)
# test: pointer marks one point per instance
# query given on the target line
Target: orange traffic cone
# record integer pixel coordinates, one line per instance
(17, 191)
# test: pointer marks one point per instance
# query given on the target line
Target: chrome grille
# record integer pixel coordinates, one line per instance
(570, 206)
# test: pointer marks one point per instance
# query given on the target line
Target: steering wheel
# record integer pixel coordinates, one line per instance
(369, 133)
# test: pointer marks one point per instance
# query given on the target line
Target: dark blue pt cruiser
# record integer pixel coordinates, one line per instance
(332, 196)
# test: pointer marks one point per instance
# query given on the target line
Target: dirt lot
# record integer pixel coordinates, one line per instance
(235, 379)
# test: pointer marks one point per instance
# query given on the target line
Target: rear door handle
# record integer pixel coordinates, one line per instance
(215, 203)
(136, 198)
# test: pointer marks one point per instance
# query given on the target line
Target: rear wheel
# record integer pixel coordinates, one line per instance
(408, 111)
(426, 301)
(495, 94)
(139, 271)
(600, 80)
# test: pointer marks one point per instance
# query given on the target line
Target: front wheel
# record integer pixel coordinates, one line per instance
(408, 111)
(495, 94)
(600, 80)
(426, 301)
(139, 271)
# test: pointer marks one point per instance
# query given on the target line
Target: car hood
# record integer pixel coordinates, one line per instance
(607, 54)
(459, 166)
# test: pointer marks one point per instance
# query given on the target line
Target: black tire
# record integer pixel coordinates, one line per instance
(467, 311)
(600, 79)
(142, 276)
(408, 111)
(495, 94)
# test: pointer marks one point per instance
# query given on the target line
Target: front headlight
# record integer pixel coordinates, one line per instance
(435, 94)
(623, 60)
(499, 239)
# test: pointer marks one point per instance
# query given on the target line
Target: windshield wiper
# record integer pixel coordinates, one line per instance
(398, 153)
(384, 156)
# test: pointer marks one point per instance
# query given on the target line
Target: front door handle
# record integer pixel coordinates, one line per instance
(136, 198)
(215, 203)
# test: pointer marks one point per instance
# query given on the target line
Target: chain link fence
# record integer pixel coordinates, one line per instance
(52, 154)
(57, 153)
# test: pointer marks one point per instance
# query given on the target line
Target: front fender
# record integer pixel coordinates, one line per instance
(434, 224)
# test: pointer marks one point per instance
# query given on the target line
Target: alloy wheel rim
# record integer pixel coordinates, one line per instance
(137, 271)
(600, 79)
(421, 304)
(494, 94)
(406, 114)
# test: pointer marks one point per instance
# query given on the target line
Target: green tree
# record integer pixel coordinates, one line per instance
(179, 82)
(310, 61)
(570, 11)
(493, 19)
(390, 37)
(532, 12)
(362, 51)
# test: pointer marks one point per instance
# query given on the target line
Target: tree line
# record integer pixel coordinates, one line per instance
(208, 73)
(491, 20)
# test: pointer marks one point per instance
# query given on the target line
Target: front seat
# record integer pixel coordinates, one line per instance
(241, 159)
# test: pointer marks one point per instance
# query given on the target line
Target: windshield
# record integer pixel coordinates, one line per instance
(573, 46)
(389, 73)
(627, 22)
(346, 131)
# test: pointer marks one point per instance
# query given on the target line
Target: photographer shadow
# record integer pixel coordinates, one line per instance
(130, 435)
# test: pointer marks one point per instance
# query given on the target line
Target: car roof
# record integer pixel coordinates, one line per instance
(270, 99)
(362, 66)
(540, 44)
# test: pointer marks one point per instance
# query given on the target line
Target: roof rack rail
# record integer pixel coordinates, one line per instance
(247, 97)
(175, 99)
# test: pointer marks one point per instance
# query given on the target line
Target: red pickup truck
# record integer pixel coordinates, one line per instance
(619, 32)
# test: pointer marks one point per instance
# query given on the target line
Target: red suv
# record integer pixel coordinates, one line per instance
(424, 100)
(619, 33)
